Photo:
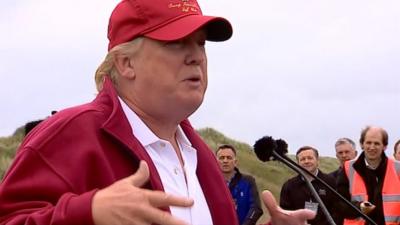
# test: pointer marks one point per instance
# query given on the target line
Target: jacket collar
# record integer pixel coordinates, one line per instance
(214, 189)
(360, 166)
(117, 125)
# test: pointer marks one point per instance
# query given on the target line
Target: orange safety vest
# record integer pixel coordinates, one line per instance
(390, 192)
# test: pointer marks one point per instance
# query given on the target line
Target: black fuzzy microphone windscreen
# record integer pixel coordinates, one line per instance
(282, 147)
(264, 148)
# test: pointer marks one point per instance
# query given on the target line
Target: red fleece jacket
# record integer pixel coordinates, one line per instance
(62, 162)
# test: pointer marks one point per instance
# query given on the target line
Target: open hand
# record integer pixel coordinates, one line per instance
(280, 216)
(124, 202)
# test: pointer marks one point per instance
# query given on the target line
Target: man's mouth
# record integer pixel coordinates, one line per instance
(194, 78)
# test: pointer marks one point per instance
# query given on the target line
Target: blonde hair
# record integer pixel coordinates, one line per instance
(107, 67)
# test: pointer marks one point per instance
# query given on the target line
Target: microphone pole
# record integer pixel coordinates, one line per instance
(288, 160)
(267, 148)
(313, 191)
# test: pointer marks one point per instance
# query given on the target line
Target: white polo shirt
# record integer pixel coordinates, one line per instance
(169, 168)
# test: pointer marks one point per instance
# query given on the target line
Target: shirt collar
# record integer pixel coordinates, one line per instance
(310, 177)
(369, 165)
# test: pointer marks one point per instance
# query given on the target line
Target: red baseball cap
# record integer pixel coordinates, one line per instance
(164, 20)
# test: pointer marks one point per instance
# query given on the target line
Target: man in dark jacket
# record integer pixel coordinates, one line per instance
(345, 150)
(295, 193)
(243, 187)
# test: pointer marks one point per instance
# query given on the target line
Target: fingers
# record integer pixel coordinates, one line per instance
(141, 176)
(125, 202)
(304, 214)
(161, 199)
(366, 207)
(285, 217)
(269, 201)
(155, 198)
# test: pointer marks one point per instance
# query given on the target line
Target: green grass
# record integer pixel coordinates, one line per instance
(8, 145)
(268, 175)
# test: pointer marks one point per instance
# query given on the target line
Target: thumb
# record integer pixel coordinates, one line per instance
(304, 214)
(269, 201)
(141, 176)
(280, 216)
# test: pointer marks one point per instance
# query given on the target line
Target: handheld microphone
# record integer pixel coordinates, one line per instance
(267, 149)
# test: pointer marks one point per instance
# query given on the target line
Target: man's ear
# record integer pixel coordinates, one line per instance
(124, 66)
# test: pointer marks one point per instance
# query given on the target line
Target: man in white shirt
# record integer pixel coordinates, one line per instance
(131, 156)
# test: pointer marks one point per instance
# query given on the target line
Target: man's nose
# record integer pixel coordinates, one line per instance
(196, 54)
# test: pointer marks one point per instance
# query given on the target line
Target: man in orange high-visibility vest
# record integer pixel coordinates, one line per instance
(372, 181)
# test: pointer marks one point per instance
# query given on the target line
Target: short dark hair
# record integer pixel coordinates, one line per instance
(226, 146)
(30, 125)
(385, 136)
(395, 145)
(304, 148)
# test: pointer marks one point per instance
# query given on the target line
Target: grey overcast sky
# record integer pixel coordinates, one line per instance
(307, 71)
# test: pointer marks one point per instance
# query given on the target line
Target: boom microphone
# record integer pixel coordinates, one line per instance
(266, 149)
(267, 146)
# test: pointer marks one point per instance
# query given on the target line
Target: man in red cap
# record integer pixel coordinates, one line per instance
(131, 156)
